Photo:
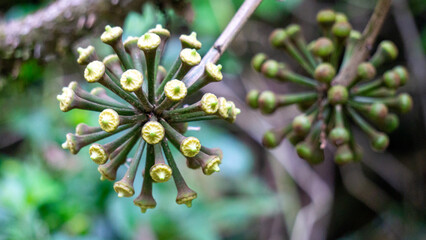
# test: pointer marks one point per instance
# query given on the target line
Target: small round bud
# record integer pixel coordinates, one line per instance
(65, 99)
(98, 154)
(293, 30)
(131, 80)
(267, 102)
(337, 94)
(233, 111)
(70, 143)
(405, 102)
(389, 49)
(124, 189)
(212, 165)
(270, 140)
(323, 47)
(378, 111)
(366, 71)
(214, 72)
(160, 172)
(325, 72)
(391, 123)
(190, 147)
(223, 108)
(355, 35)
(403, 74)
(209, 103)
(111, 59)
(175, 90)
(111, 34)
(326, 17)
(109, 120)
(380, 142)
(149, 42)
(153, 132)
(190, 56)
(278, 38)
(339, 136)
(160, 31)
(258, 61)
(305, 151)
(252, 98)
(341, 29)
(94, 71)
(84, 54)
(190, 41)
(341, 17)
(270, 68)
(301, 125)
(343, 155)
(391, 79)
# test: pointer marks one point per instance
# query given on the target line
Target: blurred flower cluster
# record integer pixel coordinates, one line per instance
(328, 107)
(151, 113)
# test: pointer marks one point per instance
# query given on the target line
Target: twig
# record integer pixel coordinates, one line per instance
(222, 43)
(369, 35)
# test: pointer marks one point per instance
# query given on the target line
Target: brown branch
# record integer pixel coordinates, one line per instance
(347, 74)
(54, 29)
(222, 43)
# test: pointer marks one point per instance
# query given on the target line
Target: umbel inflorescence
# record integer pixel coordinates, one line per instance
(151, 115)
(329, 108)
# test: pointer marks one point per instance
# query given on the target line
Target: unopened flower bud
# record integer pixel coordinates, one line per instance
(339, 136)
(341, 29)
(278, 38)
(366, 71)
(131, 80)
(301, 125)
(379, 142)
(405, 102)
(65, 99)
(337, 94)
(390, 50)
(160, 172)
(124, 189)
(98, 154)
(209, 103)
(378, 111)
(343, 154)
(403, 74)
(323, 47)
(160, 31)
(252, 98)
(223, 108)
(258, 61)
(270, 68)
(85, 54)
(326, 18)
(186, 196)
(214, 72)
(391, 79)
(267, 102)
(324, 72)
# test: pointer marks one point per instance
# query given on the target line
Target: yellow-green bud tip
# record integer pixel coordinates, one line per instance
(175, 90)
(111, 34)
(149, 42)
(153, 132)
(65, 99)
(98, 154)
(209, 103)
(94, 71)
(214, 71)
(190, 146)
(123, 189)
(190, 56)
(131, 80)
(160, 172)
(109, 120)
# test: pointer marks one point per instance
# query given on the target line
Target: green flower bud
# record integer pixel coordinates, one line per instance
(214, 72)
(405, 102)
(190, 147)
(323, 47)
(391, 122)
(267, 102)
(270, 139)
(175, 90)
(131, 80)
(343, 155)
(306, 151)
(278, 38)
(402, 73)
(85, 54)
(258, 61)
(325, 72)
(378, 111)
(160, 172)
(293, 30)
(379, 142)
(390, 50)
(190, 57)
(270, 68)
(109, 120)
(391, 79)
(366, 71)
(94, 71)
(149, 42)
(339, 136)
(341, 17)
(337, 94)
(301, 125)
(326, 17)
(209, 103)
(252, 98)
(160, 31)
(124, 188)
(341, 29)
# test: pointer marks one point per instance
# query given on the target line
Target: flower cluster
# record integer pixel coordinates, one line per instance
(329, 108)
(150, 113)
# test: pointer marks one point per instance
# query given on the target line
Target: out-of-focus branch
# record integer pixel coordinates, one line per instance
(369, 35)
(53, 29)
(223, 41)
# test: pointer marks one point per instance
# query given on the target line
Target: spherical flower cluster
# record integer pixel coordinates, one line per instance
(151, 113)
(328, 107)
